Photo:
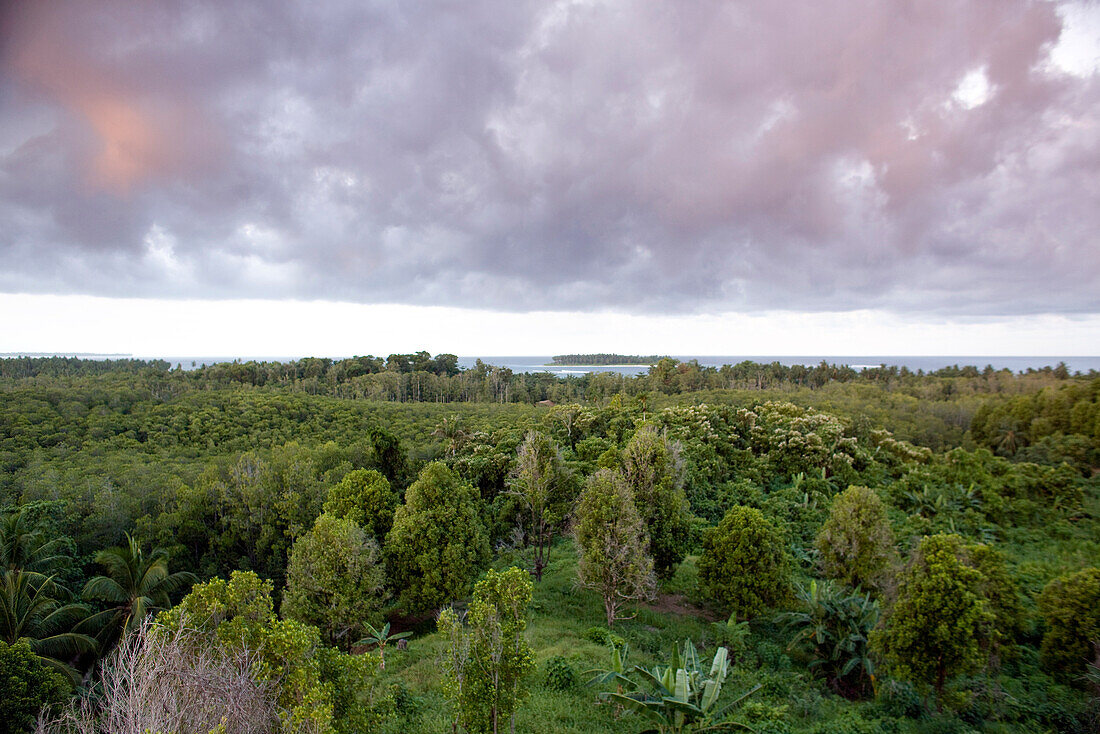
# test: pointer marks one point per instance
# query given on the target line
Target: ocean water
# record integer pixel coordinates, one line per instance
(926, 363)
(543, 363)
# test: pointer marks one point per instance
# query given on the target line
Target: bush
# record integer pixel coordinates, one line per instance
(560, 675)
(744, 565)
(26, 685)
(604, 636)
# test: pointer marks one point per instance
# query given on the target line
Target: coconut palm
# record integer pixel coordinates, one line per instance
(25, 548)
(136, 585)
(31, 608)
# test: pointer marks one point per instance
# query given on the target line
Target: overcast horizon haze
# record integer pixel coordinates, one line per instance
(521, 177)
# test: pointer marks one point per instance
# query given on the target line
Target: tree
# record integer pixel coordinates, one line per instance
(856, 543)
(540, 481)
(26, 686)
(365, 497)
(935, 628)
(26, 548)
(438, 543)
(135, 585)
(1071, 607)
(654, 471)
(451, 431)
(33, 610)
(744, 566)
(613, 544)
(488, 660)
(335, 580)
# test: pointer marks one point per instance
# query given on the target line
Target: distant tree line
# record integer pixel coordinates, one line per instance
(598, 359)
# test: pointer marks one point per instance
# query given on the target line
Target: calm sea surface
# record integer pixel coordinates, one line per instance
(542, 363)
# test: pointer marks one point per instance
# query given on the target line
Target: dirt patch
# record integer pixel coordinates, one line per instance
(679, 605)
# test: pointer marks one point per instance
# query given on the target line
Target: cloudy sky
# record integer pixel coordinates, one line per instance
(505, 176)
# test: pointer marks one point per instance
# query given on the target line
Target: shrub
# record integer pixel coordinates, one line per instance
(560, 675)
(604, 636)
(744, 566)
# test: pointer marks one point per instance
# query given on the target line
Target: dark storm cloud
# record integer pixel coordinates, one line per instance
(715, 155)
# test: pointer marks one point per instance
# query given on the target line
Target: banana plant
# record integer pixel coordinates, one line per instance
(616, 674)
(381, 637)
(681, 697)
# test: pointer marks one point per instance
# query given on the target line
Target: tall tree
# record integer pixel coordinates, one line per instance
(541, 482)
(935, 628)
(438, 543)
(487, 661)
(135, 586)
(856, 543)
(335, 581)
(26, 548)
(365, 497)
(613, 545)
(654, 471)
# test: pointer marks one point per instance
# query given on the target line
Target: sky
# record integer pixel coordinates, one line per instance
(522, 177)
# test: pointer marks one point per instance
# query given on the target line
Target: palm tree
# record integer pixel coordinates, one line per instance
(136, 585)
(29, 608)
(23, 548)
(451, 429)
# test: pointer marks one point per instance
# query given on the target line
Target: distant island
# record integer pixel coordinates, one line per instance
(589, 359)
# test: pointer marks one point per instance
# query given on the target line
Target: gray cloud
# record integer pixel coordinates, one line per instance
(517, 154)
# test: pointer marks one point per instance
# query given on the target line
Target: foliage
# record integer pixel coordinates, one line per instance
(380, 638)
(136, 585)
(486, 663)
(543, 485)
(731, 635)
(604, 636)
(744, 567)
(654, 472)
(239, 615)
(26, 686)
(856, 543)
(560, 675)
(1071, 607)
(934, 629)
(363, 496)
(612, 542)
(438, 542)
(34, 609)
(335, 580)
(682, 697)
(832, 628)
